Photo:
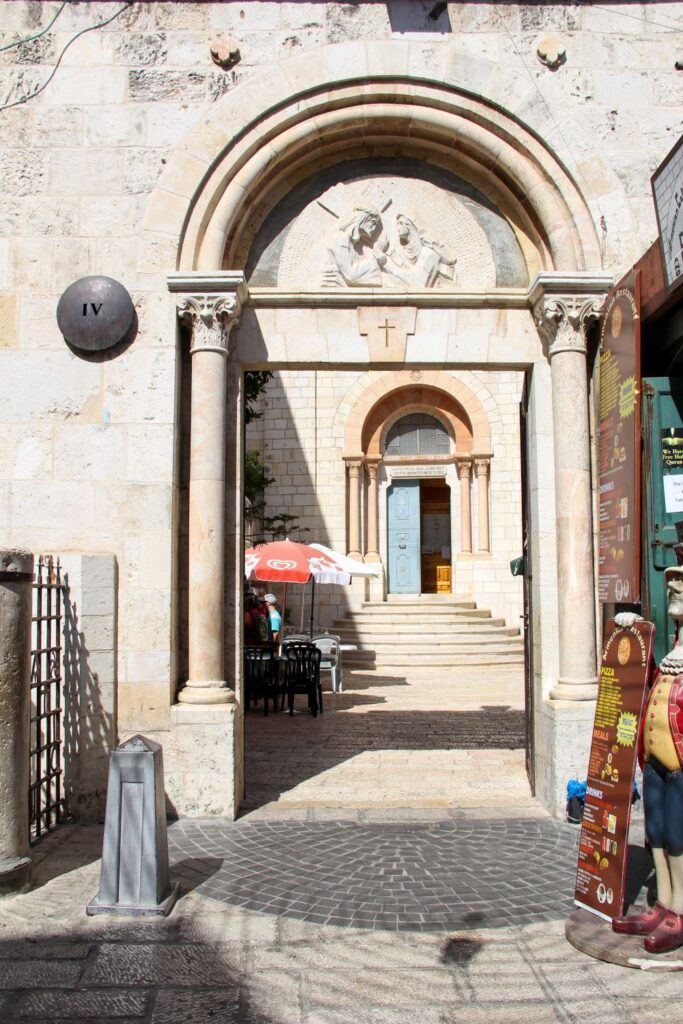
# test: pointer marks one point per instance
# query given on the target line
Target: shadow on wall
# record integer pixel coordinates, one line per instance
(89, 724)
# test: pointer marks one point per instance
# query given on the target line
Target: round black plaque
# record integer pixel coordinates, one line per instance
(95, 313)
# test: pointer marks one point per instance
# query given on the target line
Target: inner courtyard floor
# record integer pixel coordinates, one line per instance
(416, 738)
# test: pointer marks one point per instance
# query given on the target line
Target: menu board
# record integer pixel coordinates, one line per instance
(619, 446)
(611, 767)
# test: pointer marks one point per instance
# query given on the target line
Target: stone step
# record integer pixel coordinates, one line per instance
(420, 615)
(399, 607)
(368, 660)
(433, 631)
(420, 600)
(349, 627)
(427, 644)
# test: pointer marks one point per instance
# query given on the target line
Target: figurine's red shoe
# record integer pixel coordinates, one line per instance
(667, 935)
(640, 924)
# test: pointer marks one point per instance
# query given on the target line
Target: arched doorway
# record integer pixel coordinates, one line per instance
(217, 193)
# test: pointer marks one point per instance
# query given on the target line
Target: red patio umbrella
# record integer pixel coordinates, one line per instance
(288, 561)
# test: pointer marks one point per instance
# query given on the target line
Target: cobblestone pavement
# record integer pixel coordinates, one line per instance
(330, 901)
(398, 876)
(214, 961)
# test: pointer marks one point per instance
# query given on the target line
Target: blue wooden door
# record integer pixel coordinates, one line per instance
(403, 521)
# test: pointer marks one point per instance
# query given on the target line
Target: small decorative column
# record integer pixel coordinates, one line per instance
(564, 305)
(481, 467)
(211, 318)
(372, 554)
(354, 508)
(464, 472)
(16, 577)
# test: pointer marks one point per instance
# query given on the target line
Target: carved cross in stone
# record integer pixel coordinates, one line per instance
(386, 327)
(375, 322)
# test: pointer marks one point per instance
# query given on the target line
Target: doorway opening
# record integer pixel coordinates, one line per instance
(419, 537)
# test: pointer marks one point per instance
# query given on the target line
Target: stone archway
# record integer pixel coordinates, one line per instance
(395, 394)
(230, 172)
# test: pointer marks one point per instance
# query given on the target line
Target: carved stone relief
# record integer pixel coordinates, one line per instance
(368, 251)
(394, 223)
(400, 234)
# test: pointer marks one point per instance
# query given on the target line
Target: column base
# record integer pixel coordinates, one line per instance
(206, 693)
(575, 689)
(15, 874)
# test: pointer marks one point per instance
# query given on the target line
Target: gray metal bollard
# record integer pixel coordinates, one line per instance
(134, 879)
(16, 577)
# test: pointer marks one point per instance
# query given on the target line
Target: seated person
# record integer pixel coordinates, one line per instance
(274, 616)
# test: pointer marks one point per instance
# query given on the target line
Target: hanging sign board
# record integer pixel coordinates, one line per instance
(619, 445)
(607, 811)
(667, 190)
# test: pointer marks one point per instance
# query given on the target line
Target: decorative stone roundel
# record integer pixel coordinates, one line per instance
(95, 313)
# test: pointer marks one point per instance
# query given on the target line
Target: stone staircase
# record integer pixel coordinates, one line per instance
(427, 630)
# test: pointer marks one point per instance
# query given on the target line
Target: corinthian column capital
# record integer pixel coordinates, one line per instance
(211, 317)
(211, 304)
(564, 305)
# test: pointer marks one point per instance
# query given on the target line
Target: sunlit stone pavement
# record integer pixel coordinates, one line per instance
(326, 904)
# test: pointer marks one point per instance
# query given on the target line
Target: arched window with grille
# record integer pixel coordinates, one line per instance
(417, 434)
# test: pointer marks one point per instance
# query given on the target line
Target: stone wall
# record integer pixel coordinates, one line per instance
(89, 447)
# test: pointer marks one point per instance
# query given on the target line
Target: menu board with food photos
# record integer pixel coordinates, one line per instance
(619, 445)
(611, 768)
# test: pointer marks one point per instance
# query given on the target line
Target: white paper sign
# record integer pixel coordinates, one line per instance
(673, 493)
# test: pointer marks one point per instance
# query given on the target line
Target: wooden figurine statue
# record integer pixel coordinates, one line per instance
(661, 755)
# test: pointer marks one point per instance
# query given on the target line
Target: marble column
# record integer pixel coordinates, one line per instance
(464, 472)
(211, 318)
(354, 468)
(481, 467)
(563, 314)
(372, 554)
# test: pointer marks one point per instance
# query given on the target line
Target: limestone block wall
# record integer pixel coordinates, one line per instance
(90, 680)
(89, 447)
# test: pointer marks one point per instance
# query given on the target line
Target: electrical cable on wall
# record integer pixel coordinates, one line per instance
(41, 88)
(30, 39)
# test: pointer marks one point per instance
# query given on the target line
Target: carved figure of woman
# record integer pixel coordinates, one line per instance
(352, 258)
(415, 261)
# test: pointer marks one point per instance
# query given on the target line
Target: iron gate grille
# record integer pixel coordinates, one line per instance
(46, 790)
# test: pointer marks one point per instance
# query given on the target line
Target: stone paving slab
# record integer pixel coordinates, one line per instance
(433, 740)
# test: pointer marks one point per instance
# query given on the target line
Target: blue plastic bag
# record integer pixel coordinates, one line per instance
(576, 797)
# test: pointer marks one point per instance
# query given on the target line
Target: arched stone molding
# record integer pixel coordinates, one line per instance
(361, 428)
(257, 143)
(376, 407)
(415, 398)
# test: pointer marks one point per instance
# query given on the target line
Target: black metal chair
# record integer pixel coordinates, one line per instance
(301, 667)
(261, 677)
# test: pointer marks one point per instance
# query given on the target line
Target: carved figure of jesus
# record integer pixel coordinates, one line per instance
(353, 258)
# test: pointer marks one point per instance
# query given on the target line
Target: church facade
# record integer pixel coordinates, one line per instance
(410, 214)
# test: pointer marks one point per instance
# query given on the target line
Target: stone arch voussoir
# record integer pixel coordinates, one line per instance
(374, 397)
(256, 136)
